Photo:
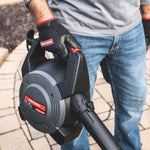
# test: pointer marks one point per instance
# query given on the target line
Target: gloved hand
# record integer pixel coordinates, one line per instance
(146, 25)
(54, 37)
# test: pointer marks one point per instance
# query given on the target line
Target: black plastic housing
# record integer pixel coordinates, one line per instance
(70, 76)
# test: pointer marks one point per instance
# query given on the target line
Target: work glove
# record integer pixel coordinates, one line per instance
(54, 38)
(146, 25)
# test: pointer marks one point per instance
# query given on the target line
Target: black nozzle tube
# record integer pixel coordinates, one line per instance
(84, 109)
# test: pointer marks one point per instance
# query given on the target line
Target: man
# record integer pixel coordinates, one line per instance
(110, 33)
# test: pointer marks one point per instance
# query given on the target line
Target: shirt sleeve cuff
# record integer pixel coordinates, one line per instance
(145, 2)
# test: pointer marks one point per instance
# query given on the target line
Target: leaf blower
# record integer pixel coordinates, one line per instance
(54, 97)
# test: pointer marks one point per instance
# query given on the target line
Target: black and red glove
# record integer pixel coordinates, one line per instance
(54, 37)
(146, 25)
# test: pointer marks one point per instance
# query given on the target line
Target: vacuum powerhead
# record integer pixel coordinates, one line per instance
(55, 99)
(46, 89)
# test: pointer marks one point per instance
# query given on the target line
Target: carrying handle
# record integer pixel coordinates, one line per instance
(30, 39)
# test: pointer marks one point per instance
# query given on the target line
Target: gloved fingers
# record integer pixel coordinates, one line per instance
(62, 52)
(72, 41)
(61, 48)
(67, 43)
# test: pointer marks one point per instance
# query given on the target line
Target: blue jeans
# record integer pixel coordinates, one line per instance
(123, 63)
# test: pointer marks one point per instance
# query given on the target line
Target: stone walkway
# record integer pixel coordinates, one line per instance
(16, 134)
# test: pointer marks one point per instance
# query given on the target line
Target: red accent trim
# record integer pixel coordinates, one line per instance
(75, 49)
(145, 18)
(47, 43)
(45, 21)
(34, 103)
(40, 111)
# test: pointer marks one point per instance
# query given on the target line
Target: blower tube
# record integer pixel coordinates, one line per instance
(84, 110)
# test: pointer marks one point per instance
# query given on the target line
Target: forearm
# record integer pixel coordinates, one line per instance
(40, 10)
(145, 11)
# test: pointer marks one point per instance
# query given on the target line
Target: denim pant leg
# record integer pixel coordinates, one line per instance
(93, 54)
(126, 68)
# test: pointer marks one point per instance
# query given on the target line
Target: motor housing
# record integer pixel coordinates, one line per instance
(46, 89)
